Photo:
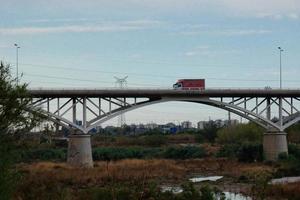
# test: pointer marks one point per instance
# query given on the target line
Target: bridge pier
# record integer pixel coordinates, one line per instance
(80, 151)
(274, 143)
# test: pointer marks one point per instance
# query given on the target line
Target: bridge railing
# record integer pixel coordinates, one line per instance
(156, 88)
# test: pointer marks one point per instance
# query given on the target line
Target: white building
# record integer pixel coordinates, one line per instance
(187, 125)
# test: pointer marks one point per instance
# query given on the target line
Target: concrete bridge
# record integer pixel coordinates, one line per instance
(273, 109)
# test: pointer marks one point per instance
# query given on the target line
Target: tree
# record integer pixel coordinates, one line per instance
(249, 132)
(14, 120)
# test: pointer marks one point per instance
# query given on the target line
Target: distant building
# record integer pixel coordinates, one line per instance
(232, 122)
(201, 125)
(151, 126)
(219, 123)
(186, 125)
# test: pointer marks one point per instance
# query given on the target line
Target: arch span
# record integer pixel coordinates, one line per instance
(259, 114)
(251, 116)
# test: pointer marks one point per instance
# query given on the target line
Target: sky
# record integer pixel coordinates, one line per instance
(85, 43)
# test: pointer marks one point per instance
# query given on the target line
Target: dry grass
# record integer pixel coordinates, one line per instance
(287, 191)
(58, 178)
(53, 180)
(136, 170)
(181, 139)
(124, 170)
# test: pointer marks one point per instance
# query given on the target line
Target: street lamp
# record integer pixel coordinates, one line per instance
(17, 61)
(280, 51)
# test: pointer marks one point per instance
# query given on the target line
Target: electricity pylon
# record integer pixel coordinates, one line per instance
(121, 83)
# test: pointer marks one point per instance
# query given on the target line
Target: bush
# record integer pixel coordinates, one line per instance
(187, 152)
(246, 152)
(239, 134)
(113, 153)
(283, 156)
(294, 150)
(289, 164)
(228, 150)
(154, 140)
(44, 154)
(250, 152)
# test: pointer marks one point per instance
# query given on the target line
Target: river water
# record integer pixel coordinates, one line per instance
(228, 195)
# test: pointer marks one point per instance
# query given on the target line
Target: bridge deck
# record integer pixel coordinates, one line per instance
(158, 93)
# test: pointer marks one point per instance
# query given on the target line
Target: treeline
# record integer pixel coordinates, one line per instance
(242, 142)
(118, 153)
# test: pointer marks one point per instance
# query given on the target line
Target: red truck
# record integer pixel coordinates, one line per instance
(190, 84)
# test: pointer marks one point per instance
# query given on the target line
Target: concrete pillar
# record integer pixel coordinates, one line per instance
(274, 143)
(80, 150)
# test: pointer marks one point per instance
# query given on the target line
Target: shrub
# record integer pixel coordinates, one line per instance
(241, 133)
(246, 152)
(154, 140)
(44, 154)
(289, 165)
(112, 153)
(228, 150)
(283, 156)
(294, 150)
(250, 152)
(186, 152)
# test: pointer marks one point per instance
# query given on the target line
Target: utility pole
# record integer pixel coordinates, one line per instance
(280, 65)
(121, 83)
(17, 61)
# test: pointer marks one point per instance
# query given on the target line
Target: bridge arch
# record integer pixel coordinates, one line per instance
(261, 121)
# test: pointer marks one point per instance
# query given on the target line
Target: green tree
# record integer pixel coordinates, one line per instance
(241, 133)
(14, 120)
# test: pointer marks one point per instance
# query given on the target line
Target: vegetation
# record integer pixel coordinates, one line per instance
(116, 153)
(289, 165)
(124, 179)
(14, 119)
(240, 133)
(154, 140)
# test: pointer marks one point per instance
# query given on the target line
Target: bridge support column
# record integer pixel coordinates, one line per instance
(80, 151)
(274, 143)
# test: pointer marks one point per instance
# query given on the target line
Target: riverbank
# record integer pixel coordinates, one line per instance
(49, 178)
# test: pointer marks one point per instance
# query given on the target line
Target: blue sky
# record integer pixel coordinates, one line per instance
(231, 43)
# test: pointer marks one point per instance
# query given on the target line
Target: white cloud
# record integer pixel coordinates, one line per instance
(228, 32)
(243, 32)
(293, 16)
(158, 7)
(4, 46)
(58, 20)
(103, 27)
(208, 51)
(270, 16)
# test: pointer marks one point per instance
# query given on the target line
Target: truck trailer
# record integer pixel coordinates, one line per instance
(190, 84)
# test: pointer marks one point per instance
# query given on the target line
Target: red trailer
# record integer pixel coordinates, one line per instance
(190, 84)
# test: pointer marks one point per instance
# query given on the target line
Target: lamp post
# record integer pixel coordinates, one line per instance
(280, 51)
(17, 61)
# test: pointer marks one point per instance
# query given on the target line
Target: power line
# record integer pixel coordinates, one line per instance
(83, 80)
(97, 71)
(149, 75)
(155, 85)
